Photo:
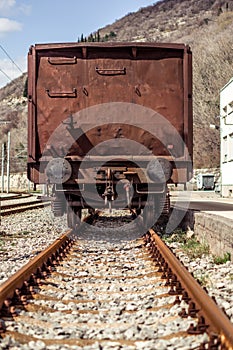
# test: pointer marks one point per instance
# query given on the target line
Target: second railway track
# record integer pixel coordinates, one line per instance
(19, 204)
(109, 292)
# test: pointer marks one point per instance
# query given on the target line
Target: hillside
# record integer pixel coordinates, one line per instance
(205, 25)
(13, 107)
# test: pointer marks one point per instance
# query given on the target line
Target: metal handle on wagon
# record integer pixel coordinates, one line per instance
(110, 71)
(72, 93)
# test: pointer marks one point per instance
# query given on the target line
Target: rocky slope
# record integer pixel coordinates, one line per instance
(13, 108)
(205, 25)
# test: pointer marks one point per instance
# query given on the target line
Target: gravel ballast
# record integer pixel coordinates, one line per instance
(24, 235)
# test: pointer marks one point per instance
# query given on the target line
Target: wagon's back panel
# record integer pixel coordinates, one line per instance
(64, 79)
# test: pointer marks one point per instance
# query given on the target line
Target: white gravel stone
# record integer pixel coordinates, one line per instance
(218, 278)
(124, 308)
(25, 235)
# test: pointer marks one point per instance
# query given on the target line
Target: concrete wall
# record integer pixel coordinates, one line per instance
(216, 231)
(18, 182)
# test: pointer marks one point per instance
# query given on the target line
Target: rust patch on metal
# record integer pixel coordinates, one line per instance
(7, 289)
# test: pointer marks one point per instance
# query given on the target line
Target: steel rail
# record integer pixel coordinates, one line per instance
(216, 319)
(8, 288)
(16, 281)
(15, 205)
(20, 207)
(15, 196)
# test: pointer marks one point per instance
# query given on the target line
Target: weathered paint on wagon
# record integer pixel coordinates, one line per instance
(67, 78)
(110, 117)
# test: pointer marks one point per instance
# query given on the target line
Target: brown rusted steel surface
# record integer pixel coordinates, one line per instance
(67, 79)
(217, 321)
(8, 288)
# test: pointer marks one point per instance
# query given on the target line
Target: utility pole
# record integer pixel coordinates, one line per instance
(2, 172)
(3, 156)
(8, 161)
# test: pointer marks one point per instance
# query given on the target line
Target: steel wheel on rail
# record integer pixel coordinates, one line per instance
(149, 212)
(73, 216)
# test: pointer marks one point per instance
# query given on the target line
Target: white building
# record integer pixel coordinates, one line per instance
(226, 134)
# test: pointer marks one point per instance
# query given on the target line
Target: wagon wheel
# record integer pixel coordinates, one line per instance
(73, 216)
(78, 213)
(149, 212)
(135, 213)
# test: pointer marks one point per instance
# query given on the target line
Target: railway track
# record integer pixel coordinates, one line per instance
(19, 204)
(93, 292)
(15, 196)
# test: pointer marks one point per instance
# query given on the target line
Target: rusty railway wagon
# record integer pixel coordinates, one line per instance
(110, 125)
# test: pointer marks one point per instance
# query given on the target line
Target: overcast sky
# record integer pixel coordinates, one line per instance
(26, 22)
